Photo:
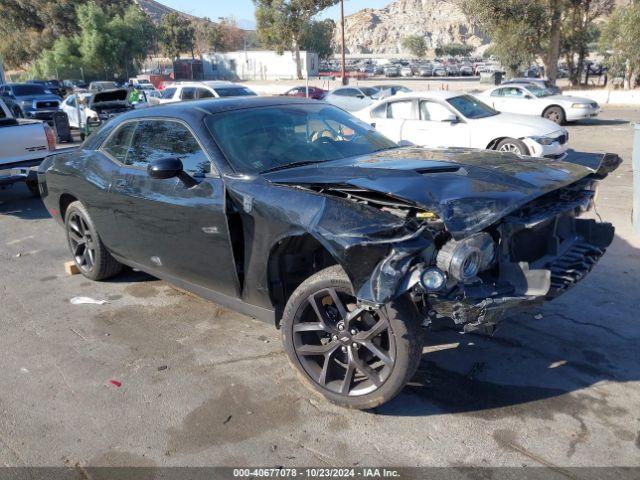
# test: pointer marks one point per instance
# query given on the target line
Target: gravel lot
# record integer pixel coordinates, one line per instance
(202, 385)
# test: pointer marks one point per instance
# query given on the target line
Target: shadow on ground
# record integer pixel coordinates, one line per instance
(581, 339)
(17, 201)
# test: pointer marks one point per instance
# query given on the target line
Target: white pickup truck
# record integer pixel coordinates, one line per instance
(23, 144)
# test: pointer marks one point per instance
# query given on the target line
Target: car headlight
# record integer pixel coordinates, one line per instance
(580, 105)
(464, 259)
(543, 140)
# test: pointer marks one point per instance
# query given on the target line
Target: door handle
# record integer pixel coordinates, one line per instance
(120, 183)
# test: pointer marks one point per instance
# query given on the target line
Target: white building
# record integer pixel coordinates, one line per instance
(259, 65)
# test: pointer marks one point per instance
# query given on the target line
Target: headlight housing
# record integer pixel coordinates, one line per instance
(464, 259)
(580, 105)
(543, 140)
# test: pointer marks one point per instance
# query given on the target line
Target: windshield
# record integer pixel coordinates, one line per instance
(538, 91)
(471, 107)
(261, 139)
(22, 90)
(369, 91)
(234, 92)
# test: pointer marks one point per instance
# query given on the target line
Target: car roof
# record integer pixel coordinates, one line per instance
(213, 106)
(432, 94)
(207, 83)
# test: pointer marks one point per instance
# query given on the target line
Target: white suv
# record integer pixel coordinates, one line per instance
(181, 91)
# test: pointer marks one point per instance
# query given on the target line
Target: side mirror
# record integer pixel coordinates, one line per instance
(361, 97)
(528, 97)
(452, 118)
(170, 167)
(165, 168)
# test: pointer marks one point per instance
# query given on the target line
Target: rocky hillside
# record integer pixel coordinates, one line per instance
(156, 10)
(382, 30)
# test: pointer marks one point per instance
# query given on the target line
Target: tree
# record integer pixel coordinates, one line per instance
(416, 44)
(177, 36)
(281, 23)
(619, 43)
(317, 38)
(454, 49)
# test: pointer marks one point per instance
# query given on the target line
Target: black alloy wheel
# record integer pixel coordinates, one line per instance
(354, 356)
(345, 349)
(81, 242)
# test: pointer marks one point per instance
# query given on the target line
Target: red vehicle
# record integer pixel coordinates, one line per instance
(314, 92)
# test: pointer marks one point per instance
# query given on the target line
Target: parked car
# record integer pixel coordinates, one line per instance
(538, 82)
(352, 98)
(454, 119)
(102, 86)
(391, 71)
(73, 85)
(529, 99)
(425, 70)
(50, 86)
(33, 100)
(181, 91)
(297, 213)
(23, 144)
(302, 92)
(406, 72)
(389, 90)
(466, 70)
(439, 71)
(95, 108)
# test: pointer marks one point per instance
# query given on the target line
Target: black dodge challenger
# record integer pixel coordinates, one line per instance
(297, 213)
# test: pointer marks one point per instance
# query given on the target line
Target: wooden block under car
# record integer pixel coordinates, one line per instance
(71, 268)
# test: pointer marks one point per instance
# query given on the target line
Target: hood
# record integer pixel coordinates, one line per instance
(40, 98)
(109, 97)
(468, 189)
(518, 126)
(569, 99)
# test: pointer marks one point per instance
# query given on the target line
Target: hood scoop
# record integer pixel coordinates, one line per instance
(440, 169)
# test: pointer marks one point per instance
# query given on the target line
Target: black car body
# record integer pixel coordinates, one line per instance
(460, 234)
(33, 100)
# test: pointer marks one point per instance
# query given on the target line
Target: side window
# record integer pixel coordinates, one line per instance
(401, 110)
(513, 92)
(168, 93)
(188, 93)
(499, 92)
(119, 144)
(380, 111)
(347, 92)
(434, 112)
(71, 101)
(204, 93)
(157, 139)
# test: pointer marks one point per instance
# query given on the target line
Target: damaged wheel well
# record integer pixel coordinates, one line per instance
(291, 261)
(494, 143)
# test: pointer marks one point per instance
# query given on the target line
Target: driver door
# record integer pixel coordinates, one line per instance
(165, 226)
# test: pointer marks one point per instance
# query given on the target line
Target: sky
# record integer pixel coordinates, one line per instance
(242, 10)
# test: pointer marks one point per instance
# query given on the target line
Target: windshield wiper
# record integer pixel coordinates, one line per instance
(291, 165)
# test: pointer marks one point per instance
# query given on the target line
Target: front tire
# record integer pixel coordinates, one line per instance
(513, 145)
(353, 357)
(555, 114)
(89, 253)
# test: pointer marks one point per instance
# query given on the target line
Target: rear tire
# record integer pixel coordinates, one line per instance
(361, 361)
(555, 114)
(89, 253)
(513, 145)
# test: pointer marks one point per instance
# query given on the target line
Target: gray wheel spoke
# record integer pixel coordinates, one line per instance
(74, 226)
(342, 310)
(378, 352)
(364, 368)
(317, 349)
(348, 377)
(376, 330)
(328, 358)
(319, 311)
(310, 327)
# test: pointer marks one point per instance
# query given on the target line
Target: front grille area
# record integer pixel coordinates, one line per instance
(570, 268)
(47, 104)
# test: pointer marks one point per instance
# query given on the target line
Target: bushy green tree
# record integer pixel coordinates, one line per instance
(619, 43)
(454, 49)
(282, 23)
(317, 38)
(416, 44)
(177, 35)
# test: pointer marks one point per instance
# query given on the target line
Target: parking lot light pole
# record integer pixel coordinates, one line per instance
(344, 68)
(636, 178)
